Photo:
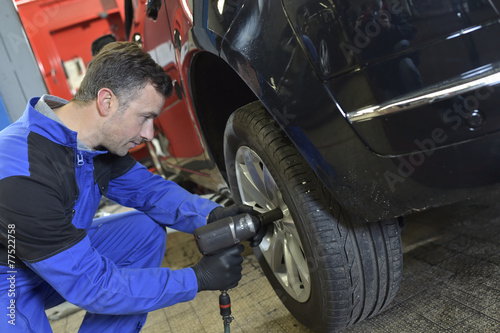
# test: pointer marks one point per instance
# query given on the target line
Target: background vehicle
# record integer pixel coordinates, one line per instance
(312, 107)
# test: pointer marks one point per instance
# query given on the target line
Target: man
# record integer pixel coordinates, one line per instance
(55, 164)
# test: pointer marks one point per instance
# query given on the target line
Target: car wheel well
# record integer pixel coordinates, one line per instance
(217, 91)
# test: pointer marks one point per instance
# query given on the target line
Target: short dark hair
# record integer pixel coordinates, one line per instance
(125, 68)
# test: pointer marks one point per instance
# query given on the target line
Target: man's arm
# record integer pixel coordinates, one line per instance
(164, 201)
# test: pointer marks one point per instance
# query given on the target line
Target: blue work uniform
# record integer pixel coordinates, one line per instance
(51, 248)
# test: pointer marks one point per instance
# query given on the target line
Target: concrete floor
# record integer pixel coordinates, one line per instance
(451, 282)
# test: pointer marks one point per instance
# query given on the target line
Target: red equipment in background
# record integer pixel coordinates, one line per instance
(61, 33)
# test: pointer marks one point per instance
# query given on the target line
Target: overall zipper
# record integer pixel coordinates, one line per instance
(79, 159)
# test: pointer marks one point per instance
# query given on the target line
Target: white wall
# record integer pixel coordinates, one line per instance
(20, 77)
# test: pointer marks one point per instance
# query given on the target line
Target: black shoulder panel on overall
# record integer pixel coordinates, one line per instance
(40, 204)
(109, 166)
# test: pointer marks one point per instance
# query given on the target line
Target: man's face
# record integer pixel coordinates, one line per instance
(126, 129)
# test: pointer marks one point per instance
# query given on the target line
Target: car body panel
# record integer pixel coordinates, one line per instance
(363, 75)
(381, 167)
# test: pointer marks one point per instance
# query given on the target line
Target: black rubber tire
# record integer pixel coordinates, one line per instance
(355, 268)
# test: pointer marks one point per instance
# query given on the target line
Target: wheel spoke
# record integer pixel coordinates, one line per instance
(291, 269)
(296, 264)
(275, 252)
(254, 169)
(299, 261)
(271, 188)
(292, 231)
(285, 256)
(249, 192)
(254, 179)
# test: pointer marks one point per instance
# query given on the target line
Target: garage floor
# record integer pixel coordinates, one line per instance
(451, 282)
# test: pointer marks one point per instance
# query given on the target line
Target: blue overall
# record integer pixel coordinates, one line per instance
(52, 250)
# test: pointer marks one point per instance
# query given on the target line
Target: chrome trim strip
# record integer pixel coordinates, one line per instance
(485, 76)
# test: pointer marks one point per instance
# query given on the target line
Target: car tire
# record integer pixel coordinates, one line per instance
(329, 270)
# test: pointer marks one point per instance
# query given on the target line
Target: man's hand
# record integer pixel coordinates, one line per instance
(220, 212)
(220, 271)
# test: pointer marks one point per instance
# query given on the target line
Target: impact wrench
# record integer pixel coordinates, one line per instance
(228, 232)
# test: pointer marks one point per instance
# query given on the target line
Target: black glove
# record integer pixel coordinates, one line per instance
(220, 212)
(220, 271)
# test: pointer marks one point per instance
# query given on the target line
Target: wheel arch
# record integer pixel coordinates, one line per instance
(217, 91)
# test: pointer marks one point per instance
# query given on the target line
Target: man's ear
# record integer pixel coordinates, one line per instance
(105, 101)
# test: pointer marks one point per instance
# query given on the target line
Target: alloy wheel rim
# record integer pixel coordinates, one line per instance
(281, 246)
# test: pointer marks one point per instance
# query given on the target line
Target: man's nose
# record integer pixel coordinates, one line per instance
(148, 131)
